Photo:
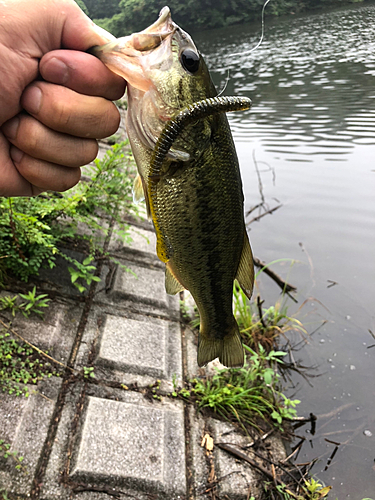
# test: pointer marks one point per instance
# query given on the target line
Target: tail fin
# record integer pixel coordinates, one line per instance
(229, 349)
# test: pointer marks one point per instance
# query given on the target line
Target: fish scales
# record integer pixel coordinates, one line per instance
(204, 239)
(195, 198)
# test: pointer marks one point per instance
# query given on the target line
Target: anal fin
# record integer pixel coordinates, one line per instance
(245, 271)
(172, 285)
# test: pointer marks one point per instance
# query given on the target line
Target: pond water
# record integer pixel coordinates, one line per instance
(311, 134)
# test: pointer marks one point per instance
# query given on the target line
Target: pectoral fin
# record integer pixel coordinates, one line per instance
(138, 191)
(245, 271)
(172, 285)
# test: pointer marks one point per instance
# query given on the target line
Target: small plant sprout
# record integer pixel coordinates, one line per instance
(20, 366)
(5, 451)
(8, 302)
(88, 372)
(34, 303)
(83, 272)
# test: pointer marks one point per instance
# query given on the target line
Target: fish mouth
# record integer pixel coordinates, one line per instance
(124, 55)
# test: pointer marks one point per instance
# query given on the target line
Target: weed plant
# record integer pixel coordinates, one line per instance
(32, 303)
(310, 490)
(33, 231)
(20, 366)
(6, 452)
(246, 394)
(263, 326)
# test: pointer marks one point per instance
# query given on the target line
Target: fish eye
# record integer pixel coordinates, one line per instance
(190, 60)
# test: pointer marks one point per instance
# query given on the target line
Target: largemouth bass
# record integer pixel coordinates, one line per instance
(193, 189)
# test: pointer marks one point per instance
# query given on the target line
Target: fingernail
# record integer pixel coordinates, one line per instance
(10, 128)
(16, 154)
(56, 71)
(32, 99)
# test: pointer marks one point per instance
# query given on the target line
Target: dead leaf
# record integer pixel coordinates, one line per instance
(207, 442)
(324, 492)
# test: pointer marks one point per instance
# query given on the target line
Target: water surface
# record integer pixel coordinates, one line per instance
(311, 132)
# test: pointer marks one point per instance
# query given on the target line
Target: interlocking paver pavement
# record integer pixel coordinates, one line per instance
(107, 436)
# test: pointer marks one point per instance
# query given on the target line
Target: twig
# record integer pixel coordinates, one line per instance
(267, 212)
(260, 312)
(331, 283)
(298, 447)
(240, 454)
(214, 483)
(253, 208)
(259, 440)
(282, 284)
(260, 185)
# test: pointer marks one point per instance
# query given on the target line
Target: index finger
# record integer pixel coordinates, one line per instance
(82, 73)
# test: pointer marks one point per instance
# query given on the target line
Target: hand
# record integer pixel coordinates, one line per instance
(53, 103)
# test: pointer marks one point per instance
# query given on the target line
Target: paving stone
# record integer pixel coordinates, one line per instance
(24, 425)
(142, 242)
(198, 468)
(144, 287)
(240, 481)
(146, 346)
(134, 443)
(132, 348)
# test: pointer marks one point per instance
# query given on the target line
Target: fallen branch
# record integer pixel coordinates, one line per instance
(243, 456)
(270, 211)
(282, 284)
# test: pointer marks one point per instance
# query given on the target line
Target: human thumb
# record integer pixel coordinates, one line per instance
(79, 32)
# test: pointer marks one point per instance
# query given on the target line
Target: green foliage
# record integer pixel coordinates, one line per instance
(32, 303)
(135, 15)
(83, 272)
(102, 8)
(6, 453)
(20, 365)
(258, 325)
(247, 393)
(88, 372)
(33, 231)
(9, 302)
(82, 6)
(312, 490)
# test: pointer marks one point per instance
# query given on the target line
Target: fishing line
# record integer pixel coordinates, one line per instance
(261, 36)
(248, 51)
(225, 84)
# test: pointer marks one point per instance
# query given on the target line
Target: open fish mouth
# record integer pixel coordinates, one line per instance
(124, 55)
